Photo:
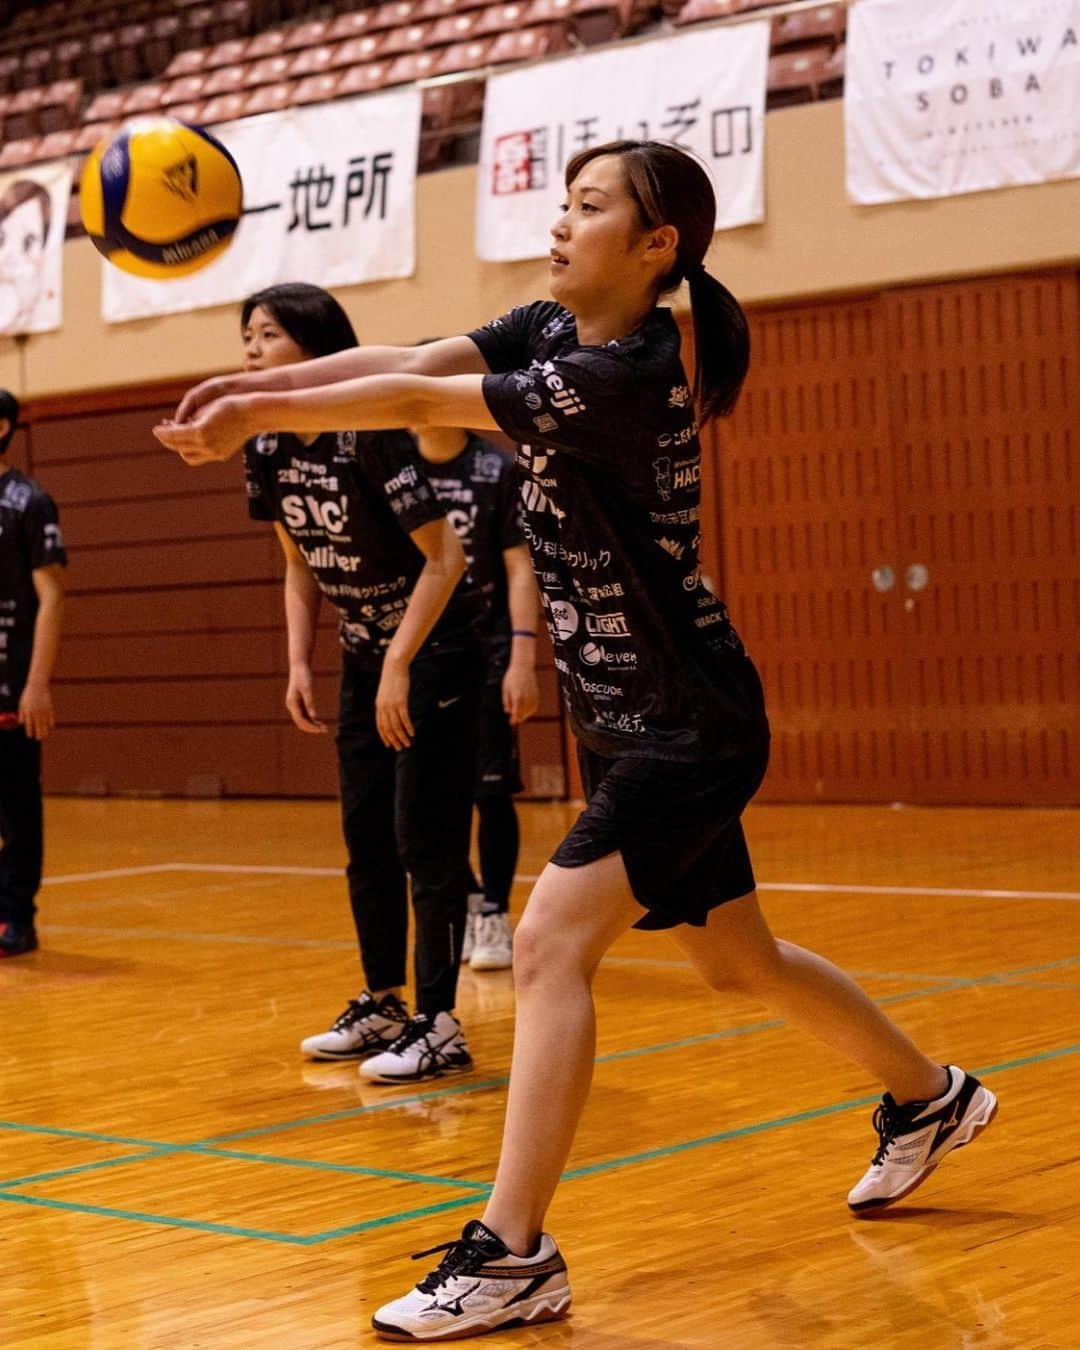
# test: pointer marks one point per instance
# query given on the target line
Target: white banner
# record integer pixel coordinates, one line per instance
(33, 219)
(950, 96)
(704, 91)
(329, 197)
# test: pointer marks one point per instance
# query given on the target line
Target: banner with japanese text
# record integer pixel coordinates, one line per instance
(33, 219)
(329, 197)
(704, 91)
(951, 96)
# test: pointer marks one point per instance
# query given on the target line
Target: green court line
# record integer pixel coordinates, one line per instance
(592, 1169)
(163, 1220)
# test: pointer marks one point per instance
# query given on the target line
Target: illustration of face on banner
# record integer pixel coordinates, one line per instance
(703, 91)
(960, 96)
(329, 197)
(33, 220)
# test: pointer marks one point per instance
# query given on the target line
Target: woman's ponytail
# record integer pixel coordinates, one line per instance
(721, 343)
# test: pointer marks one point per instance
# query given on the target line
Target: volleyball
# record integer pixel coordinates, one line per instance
(161, 199)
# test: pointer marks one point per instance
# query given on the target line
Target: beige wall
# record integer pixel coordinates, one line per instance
(814, 242)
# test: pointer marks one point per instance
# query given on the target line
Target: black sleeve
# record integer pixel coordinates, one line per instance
(587, 403)
(393, 465)
(257, 456)
(505, 343)
(42, 524)
(509, 525)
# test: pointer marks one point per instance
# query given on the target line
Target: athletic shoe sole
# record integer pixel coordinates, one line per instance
(977, 1121)
(346, 1054)
(479, 962)
(542, 1308)
(388, 1081)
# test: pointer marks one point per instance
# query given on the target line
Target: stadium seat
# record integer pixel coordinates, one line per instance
(411, 67)
(502, 18)
(394, 14)
(65, 58)
(144, 98)
(59, 106)
(161, 42)
(90, 133)
(364, 79)
(269, 98)
(225, 107)
(411, 37)
(700, 11)
(831, 84)
(529, 44)
(312, 61)
(271, 42)
(225, 80)
(354, 24)
(126, 61)
(190, 62)
(473, 55)
(270, 70)
(9, 65)
(57, 144)
(316, 88)
(823, 23)
(107, 106)
(189, 112)
(21, 117)
(454, 28)
(312, 34)
(93, 65)
(35, 68)
(358, 51)
(183, 90)
(14, 154)
(794, 76)
(230, 53)
(548, 11)
(231, 19)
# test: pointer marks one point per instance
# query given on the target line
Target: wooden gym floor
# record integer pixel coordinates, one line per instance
(175, 1176)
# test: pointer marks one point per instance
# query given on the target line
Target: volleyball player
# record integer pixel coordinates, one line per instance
(477, 484)
(32, 562)
(666, 705)
(359, 523)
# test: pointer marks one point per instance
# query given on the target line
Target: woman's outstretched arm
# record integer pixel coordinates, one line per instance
(447, 356)
(378, 402)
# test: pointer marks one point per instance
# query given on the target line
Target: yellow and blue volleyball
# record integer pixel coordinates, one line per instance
(162, 199)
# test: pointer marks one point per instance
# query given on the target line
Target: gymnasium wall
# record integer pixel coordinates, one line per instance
(814, 242)
(173, 666)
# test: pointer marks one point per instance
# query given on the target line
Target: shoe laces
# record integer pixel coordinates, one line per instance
(464, 1256)
(415, 1029)
(358, 1009)
(489, 929)
(889, 1120)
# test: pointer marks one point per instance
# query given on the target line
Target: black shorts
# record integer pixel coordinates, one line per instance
(677, 827)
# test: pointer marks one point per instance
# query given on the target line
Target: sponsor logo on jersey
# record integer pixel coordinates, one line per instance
(607, 625)
(662, 467)
(679, 396)
(332, 516)
(595, 654)
(267, 443)
(564, 618)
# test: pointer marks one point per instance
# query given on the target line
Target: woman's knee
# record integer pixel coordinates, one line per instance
(542, 954)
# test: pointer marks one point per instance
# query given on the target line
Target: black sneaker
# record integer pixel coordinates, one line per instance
(364, 1028)
(913, 1138)
(479, 1285)
(16, 939)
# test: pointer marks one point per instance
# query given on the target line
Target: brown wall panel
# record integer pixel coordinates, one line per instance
(194, 562)
(146, 473)
(172, 761)
(154, 519)
(170, 701)
(154, 655)
(194, 609)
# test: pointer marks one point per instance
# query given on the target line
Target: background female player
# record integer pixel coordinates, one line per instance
(477, 483)
(665, 703)
(359, 523)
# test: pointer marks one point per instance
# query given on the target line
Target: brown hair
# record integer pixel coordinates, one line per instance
(669, 187)
(26, 190)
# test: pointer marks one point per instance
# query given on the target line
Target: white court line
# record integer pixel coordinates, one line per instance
(812, 887)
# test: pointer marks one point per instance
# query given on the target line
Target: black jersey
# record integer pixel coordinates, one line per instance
(649, 661)
(349, 502)
(29, 538)
(479, 489)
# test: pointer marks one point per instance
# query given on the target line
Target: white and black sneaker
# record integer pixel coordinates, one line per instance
(913, 1138)
(472, 918)
(493, 943)
(479, 1285)
(428, 1047)
(365, 1027)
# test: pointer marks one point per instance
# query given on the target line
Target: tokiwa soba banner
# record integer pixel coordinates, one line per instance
(703, 91)
(951, 96)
